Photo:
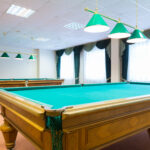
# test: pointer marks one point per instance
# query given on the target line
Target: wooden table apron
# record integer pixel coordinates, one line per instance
(25, 83)
(85, 127)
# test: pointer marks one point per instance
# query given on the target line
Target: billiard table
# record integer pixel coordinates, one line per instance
(75, 117)
(25, 82)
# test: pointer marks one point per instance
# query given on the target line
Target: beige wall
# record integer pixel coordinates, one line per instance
(43, 67)
(12, 68)
(47, 64)
(115, 60)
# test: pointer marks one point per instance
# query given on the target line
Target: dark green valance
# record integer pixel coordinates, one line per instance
(106, 44)
(58, 61)
(108, 67)
(147, 33)
(69, 50)
(103, 44)
(77, 51)
(88, 47)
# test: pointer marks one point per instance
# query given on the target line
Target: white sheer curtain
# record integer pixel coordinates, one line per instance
(67, 68)
(139, 62)
(94, 66)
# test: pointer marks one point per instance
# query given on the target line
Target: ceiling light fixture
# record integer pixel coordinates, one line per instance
(137, 36)
(97, 24)
(119, 31)
(19, 57)
(32, 58)
(20, 11)
(4, 55)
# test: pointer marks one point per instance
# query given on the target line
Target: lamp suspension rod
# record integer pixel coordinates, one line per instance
(17, 53)
(97, 6)
(136, 13)
(86, 9)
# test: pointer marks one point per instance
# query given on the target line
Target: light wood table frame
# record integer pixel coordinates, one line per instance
(85, 127)
(26, 83)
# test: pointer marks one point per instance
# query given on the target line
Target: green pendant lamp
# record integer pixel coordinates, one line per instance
(32, 58)
(96, 24)
(119, 31)
(137, 36)
(19, 57)
(4, 55)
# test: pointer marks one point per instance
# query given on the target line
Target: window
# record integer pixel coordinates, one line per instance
(67, 68)
(139, 62)
(94, 66)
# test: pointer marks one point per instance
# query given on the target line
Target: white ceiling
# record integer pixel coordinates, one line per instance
(52, 15)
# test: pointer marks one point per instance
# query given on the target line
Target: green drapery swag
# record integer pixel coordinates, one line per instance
(106, 44)
(147, 33)
(69, 50)
(77, 51)
(55, 126)
(58, 61)
(88, 47)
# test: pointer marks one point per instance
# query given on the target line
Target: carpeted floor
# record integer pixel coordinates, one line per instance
(140, 141)
(21, 142)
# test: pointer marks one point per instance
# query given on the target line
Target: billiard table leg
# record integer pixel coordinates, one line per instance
(148, 131)
(10, 134)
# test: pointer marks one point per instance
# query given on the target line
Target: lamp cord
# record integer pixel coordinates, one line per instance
(96, 6)
(136, 13)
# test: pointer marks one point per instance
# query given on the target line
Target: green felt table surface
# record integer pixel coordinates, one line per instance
(61, 96)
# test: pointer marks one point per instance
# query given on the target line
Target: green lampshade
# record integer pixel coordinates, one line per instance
(19, 57)
(119, 31)
(5, 55)
(96, 24)
(137, 36)
(31, 57)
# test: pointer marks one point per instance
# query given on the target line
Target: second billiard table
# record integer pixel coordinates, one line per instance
(25, 82)
(75, 117)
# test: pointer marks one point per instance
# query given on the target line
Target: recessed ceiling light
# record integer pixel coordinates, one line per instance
(20, 11)
(42, 39)
(74, 26)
